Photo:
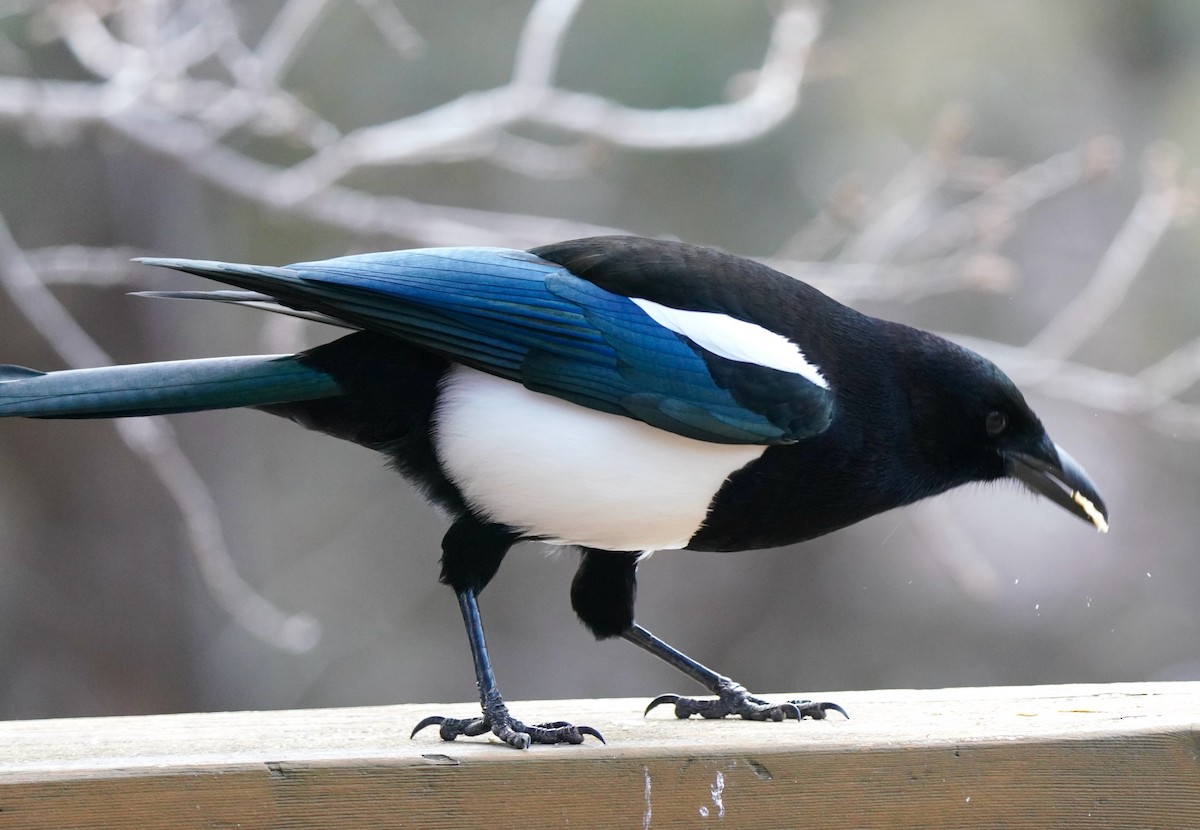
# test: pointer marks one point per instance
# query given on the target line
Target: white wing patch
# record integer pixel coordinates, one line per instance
(734, 339)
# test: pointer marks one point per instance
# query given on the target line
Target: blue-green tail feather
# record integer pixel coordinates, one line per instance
(161, 388)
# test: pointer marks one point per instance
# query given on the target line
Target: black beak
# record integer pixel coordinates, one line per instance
(1054, 474)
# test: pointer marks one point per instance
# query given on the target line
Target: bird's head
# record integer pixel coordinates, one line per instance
(971, 421)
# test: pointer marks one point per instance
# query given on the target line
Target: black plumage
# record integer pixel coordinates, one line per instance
(615, 393)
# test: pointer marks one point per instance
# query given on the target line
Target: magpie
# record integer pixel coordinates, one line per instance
(617, 394)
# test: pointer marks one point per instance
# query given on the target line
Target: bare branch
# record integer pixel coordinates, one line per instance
(78, 265)
(186, 118)
(153, 439)
(540, 45)
(1153, 214)
(529, 97)
(997, 207)
(402, 37)
(911, 249)
(289, 31)
(1148, 395)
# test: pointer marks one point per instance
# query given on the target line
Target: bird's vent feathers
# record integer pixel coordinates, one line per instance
(734, 339)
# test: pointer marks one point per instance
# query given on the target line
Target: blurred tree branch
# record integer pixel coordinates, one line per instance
(155, 442)
(145, 56)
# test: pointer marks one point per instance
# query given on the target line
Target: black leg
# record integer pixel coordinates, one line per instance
(496, 718)
(603, 594)
(603, 591)
(732, 698)
(471, 554)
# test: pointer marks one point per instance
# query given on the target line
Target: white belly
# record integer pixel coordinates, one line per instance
(572, 475)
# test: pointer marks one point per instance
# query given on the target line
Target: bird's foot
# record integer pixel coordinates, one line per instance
(508, 729)
(733, 699)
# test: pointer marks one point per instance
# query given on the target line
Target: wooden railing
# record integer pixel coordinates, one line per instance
(1115, 756)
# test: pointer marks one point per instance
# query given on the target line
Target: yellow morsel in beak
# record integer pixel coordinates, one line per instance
(1092, 513)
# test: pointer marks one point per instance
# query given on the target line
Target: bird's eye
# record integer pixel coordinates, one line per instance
(996, 423)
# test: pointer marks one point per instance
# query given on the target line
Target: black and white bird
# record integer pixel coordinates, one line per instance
(619, 394)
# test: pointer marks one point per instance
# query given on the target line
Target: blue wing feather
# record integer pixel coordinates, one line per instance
(513, 314)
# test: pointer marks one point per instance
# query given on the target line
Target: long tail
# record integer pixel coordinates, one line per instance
(161, 388)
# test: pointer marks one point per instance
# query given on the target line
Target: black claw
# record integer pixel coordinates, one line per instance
(824, 707)
(451, 728)
(733, 699)
(785, 711)
(432, 720)
(561, 732)
(508, 729)
(660, 700)
(587, 730)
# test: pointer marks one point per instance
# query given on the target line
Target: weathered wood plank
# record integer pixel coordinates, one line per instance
(1116, 756)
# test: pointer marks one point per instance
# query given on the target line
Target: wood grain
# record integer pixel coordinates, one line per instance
(1115, 756)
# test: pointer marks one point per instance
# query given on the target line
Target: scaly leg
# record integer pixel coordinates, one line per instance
(603, 595)
(496, 718)
(732, 698)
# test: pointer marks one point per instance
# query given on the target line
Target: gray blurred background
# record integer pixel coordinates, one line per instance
(1013, 174)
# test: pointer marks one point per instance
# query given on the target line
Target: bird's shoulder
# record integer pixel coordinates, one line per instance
(693, 278)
